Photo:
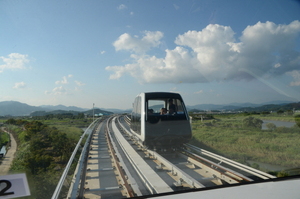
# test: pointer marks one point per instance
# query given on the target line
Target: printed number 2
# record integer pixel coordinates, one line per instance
(7, 187)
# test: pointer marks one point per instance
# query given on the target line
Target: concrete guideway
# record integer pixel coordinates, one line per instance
(151, 177)
(9, 157)
(100, 181)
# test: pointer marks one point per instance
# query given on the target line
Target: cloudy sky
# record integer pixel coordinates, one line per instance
(77, 53)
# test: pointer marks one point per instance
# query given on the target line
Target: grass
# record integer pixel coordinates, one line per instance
(227, 136)
(73, 128)
(278, 117)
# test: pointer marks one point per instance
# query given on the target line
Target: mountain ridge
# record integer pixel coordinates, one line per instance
(15, 108)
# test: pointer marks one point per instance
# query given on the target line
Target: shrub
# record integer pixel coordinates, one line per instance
(271, 126)
(252, 122)
(297, 120)
(280, 112)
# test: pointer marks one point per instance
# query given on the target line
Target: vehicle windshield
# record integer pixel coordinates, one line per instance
(232, 67)
(165, 106)
(164, 110)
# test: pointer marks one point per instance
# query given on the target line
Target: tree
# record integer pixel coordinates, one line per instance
(280, 111)
(271, 126)
(80, 116)
(33, 127)
(11, 121)
(37, 162)
(265, 112)
(252, 122)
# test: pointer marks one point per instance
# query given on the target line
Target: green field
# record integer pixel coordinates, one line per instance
(228, 135)
(43, 155)
(73, 128)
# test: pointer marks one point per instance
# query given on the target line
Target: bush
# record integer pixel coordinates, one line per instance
(252, 122)
(280, 112)
(271, 126)
(297, 120)
(4, 138)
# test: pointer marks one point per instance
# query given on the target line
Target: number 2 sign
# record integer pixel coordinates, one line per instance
(12, 186)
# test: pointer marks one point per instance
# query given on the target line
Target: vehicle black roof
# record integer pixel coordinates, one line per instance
(150, 95)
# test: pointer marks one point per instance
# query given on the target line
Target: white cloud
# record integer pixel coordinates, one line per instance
(59, 90)
(48, 92)
(122, 7)
(14, 61)
(64, 80)
(296, 75)
(67, 89)
(277, 65)
(134, 44)
(199, 92)
(77, 89)
(176, 6)
(19, 85)
(213, 54)
(78, 83)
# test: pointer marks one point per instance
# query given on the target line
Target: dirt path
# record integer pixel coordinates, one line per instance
(7, 160)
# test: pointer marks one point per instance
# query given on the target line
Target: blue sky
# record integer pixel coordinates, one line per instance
(77, 53)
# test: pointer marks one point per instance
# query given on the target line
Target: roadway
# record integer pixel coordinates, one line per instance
(9, 157)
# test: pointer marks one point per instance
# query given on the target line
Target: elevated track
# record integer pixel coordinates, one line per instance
(113, 165)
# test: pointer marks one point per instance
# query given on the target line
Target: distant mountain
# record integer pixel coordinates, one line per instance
(62, 107)
(97, 111)
(57, 112)
(235, 106)
(272, 107)
(15, 108)
(116, 110)
(212, 107)
(280, 102)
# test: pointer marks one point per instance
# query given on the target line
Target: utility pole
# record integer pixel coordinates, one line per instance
(93, 112)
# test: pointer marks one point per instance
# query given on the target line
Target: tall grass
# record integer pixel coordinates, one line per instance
(72, 128)
(228, 137)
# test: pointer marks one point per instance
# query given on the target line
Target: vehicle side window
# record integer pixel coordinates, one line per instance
(179, 107)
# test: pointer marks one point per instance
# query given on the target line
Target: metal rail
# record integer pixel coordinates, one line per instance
(176, 171)
(116, 156)
(232, 163)
(217, 170)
